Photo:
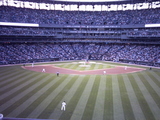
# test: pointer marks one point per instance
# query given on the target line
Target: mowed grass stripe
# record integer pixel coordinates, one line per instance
(4, 77)
(10, 81)
(108, 104)
(68, 89)
(64, 65)
(89, 108)
(99, 105)
(147, 91)
(47, 83)
(72, 98)
(80, 107)
(6, 74)
(100, 66)
(16, 88)
(153, 89)
(117, 103)
(17, 83)
(41, 94)
(96, 67)
(21, 95)
(69, 66)
(87, 67)
(72, 66)
(92, 67)
(71, 105)
(157, 72)
(7, 69)
(52, 98)
(155, 78)
(8, 78)
(76, 67)
(141, 99)
(81, 67)
(137, 111)
(104, 66)
(127, 108)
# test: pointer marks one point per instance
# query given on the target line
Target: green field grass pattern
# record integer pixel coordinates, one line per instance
(29, 94)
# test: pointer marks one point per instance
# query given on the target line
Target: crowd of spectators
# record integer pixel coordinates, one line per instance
(144, 32)
(24, 15)
(78, 51)
(40, 31)
(26, 31)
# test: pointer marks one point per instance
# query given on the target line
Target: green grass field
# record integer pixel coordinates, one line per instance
(87, 66)
(29, 94)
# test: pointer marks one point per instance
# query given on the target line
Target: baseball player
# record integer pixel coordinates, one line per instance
(32, 64)
(63, 106)
(57, 73)
(43, 70)
(125, 67)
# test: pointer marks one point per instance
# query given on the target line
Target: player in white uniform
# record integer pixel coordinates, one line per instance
(125, 67)
(63, 106)
(32, 64)
(43, 70)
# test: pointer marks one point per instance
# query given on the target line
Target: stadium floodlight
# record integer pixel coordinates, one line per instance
(19, 24)
(91, 0)
(152, 25)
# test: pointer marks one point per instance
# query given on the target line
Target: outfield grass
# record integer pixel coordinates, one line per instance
(29, 94)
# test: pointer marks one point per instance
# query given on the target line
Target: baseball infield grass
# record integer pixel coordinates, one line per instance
(30, 94)
(84, 66)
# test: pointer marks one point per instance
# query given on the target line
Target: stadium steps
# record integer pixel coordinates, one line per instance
(108, 50)
(74, 50)
(99, 48)
(120, 48)
(63, 49)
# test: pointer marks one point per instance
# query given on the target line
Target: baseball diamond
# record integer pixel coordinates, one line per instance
(114, 70)
(132, 94)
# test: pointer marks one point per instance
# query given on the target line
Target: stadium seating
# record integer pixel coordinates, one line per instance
(12, 14)
(18, 52)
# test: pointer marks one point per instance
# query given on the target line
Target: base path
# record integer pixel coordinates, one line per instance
(54, 69)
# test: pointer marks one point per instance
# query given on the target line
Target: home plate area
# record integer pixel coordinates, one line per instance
(84, 64)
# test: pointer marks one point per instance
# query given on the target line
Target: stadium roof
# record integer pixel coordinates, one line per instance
(91, 2)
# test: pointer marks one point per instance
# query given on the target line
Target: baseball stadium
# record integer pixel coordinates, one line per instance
(79, 60)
